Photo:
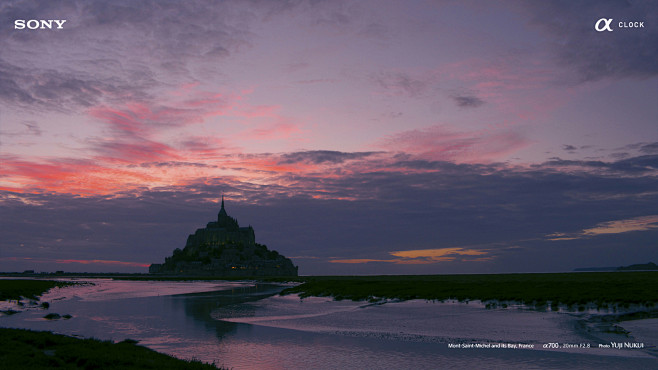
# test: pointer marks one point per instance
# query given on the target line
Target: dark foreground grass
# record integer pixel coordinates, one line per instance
(601, 288)
(25, 349)
(14, 289)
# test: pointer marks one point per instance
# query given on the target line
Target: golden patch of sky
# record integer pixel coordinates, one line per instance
(423, 256)
(643, 223)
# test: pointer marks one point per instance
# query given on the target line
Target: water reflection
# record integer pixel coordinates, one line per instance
(153, 313)
(200, 306)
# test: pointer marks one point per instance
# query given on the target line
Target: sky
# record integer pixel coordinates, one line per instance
(356, 137)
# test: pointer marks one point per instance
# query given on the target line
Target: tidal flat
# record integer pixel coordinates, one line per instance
(357, 322)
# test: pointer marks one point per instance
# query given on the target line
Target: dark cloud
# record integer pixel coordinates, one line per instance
(618, 156)
(634, 149)
(322, 156)
(650, 148)
(592, 55)
(572, 149)
(635, 166)
(400, 83)
(468, 101)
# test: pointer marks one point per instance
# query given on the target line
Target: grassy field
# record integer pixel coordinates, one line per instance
(13, 289)
(601, 288)
(25, 349)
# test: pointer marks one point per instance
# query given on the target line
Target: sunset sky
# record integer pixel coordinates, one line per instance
(356, 137)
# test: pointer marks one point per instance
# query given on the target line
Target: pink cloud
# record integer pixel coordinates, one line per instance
(118, 119)
(136, 127)
(82, 177)
(443, 144)
(183, 106)
(143, 118)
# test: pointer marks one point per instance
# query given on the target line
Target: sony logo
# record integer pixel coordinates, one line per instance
(43, 24)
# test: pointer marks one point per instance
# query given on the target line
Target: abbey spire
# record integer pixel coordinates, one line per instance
(222, 211)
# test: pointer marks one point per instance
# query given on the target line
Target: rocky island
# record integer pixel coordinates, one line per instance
(223, 248)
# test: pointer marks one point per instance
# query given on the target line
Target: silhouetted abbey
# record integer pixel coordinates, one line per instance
(223, 248)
